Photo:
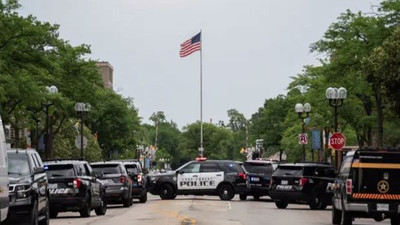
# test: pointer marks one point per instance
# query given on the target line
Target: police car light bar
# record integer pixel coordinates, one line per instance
(198, 158)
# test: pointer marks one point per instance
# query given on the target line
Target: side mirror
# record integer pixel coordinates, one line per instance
(180, 172)
(39, 170)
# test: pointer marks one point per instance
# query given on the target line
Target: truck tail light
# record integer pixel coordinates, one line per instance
(77, 183)
(303, 181)
(349, 186)
(122, 179)
(140, 178)
(243, 175)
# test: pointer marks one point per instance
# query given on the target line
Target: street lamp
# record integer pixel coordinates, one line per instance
(48, 138)
(82, 109)
(300, 109)
(336, 97)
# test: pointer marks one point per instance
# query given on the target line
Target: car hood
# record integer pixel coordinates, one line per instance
(14, 179)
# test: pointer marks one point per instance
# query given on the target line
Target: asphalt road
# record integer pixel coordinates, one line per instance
(186, 210)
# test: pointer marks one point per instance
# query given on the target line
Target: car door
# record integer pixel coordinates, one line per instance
(189, 177)
(39, 180)
(210, 176)
(94, 186)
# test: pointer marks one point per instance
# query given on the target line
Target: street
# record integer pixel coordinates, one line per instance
(204, 210)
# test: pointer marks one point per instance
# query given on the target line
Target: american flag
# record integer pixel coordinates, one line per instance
(191, 45)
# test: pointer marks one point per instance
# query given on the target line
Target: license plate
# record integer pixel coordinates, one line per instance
(256, 179)
(53, 186)
(382, 207)
(284, 182)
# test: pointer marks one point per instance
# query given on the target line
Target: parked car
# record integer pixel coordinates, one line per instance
(203, 177)
(4, 198)
(258, 174)
(367, 186)
(139, 181)
(74, 187)
(28, 191)
(302, 183)
(118, 184)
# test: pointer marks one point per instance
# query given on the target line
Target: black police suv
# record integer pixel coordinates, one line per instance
(74, 187)
(28, 190)
(139, 181)
(258, 174)
(302, 183)
(205, 177)
(367, 186)
(117, 183)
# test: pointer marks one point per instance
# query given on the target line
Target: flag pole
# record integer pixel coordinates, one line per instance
(201, 96)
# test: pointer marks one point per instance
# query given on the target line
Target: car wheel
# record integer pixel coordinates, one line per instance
(226, 192)
(167, 192)
(102, 209)
(336, 215)
(33, 219)
(46, 219)
(53, 214)
(243, 197)
(347, 219)
(317, 201)
(143, 198)
(256, 197)
(85, 211)
(395, 220)
(281, 205)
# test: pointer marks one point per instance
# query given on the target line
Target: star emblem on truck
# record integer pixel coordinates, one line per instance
(383, 186)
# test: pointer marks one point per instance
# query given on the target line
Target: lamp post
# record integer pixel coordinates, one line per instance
(336, 97)
(300, 109)
(82, 109)
(48, 138)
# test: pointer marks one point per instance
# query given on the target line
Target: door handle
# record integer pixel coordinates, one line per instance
(219, 175)
(195, 176)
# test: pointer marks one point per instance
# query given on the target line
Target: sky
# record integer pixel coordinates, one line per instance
(250, 48)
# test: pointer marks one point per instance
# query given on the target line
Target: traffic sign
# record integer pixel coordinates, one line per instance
(78, 142)
(303, 139)
(337, 141)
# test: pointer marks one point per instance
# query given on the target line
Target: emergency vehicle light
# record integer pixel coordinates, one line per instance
(201, 158)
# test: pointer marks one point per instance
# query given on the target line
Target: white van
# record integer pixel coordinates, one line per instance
(4, 200)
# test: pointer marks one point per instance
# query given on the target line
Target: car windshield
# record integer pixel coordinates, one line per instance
(106, 169)
(66, 170)
(288, 171)
(262, 168)
(18, 164)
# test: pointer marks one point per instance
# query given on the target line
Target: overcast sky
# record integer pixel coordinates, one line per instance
(250, 48)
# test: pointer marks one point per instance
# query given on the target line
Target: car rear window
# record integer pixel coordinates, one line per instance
(288, 171)
(107, 169)
(231, 167)
(264, 168)
(18, 165)
(66, 170)
(132, 169)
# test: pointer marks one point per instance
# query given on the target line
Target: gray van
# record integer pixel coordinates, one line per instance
(3, 175)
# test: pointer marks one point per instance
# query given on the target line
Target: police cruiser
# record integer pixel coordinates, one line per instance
(201, 177)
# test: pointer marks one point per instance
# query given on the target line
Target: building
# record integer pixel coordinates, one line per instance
(106, 70)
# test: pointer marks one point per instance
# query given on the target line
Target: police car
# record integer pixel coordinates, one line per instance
(201, 177)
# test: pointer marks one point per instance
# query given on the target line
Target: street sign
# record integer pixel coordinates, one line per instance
(337, 141)
(303, 139)
(78, 142)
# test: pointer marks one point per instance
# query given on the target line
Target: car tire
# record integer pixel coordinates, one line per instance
(225, 192)
(243, 197)
(395, 220)
(86, 210)
(53, 214)
(101, 211)
(281, 205)
(347, 218)
(46, 219)
(34, 216)
(317, 201)
(256, 197)
(167, 192)
(143, 198)
(336, 215)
